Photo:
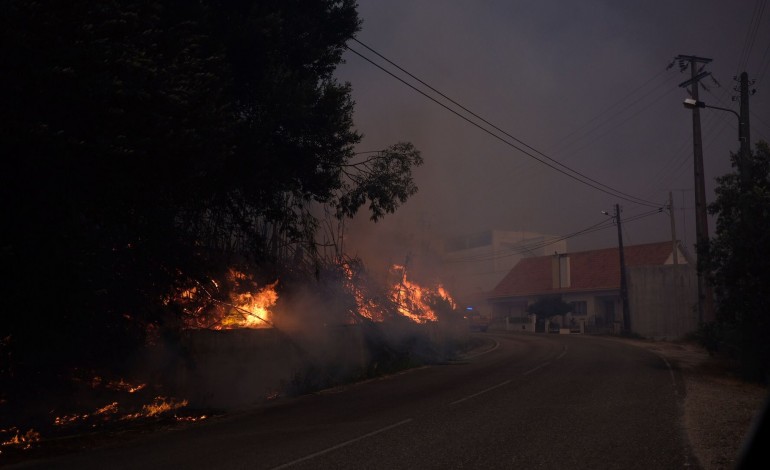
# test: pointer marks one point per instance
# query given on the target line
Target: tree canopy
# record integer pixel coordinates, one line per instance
(737, 263)
(150, 144)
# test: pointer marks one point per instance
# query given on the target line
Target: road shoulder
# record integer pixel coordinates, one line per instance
(718, 407)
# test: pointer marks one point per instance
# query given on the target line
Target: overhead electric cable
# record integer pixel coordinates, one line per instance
(609, 190)
(610, 118)
(604, 112)
(751, 35)
(604, 224)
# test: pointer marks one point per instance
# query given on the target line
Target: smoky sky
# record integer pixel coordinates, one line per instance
(583, 82)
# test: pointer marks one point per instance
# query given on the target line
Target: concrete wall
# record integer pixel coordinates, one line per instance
(663, 300)
(235, 368)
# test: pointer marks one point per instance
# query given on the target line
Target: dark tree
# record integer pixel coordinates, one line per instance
(738, 264)
(151, 145)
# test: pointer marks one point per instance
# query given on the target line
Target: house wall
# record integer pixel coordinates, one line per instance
(663, 300)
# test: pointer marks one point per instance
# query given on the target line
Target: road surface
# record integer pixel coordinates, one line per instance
(524, 401)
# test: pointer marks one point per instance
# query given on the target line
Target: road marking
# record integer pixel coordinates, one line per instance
(536, 368)
(481, 392)
(343, 444)
(562, 353)
(671, 371)
(497, 345)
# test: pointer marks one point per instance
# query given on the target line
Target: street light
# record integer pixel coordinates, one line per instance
(701, 226)
(690, 103)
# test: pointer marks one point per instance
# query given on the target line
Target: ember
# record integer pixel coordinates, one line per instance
(123, 386)
(22, 440)
(162, 405)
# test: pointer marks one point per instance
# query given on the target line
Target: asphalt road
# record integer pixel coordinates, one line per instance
(525, 401)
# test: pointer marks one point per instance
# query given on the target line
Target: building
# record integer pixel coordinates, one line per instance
(474, 264)
(662, 295)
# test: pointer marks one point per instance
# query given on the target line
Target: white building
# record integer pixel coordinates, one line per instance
(474, 264)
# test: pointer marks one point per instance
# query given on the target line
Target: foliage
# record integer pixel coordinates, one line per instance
(384, 179)
(153, 145)
(737, 264)
(549, 306)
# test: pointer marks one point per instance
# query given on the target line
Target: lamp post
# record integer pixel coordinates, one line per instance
(690, 103)
(705, 302)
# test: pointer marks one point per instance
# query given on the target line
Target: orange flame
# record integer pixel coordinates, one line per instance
(413, 300)
(366, 307)
(248, 306)
(249, 309)
(23, 440)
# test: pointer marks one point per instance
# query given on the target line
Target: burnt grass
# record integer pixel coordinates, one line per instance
(92, 413)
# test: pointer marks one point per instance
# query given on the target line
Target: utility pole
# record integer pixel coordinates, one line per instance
(673, 228)
(701, 220)
(745, 137)
(623, 280)
(675, 253)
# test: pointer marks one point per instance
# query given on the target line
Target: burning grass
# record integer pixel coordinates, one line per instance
(94, 405)
(306, 335)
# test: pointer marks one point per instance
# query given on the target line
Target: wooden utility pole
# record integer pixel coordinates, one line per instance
(673, 228)
(743, 131)
(679, 312)
(701, 220)
(623, 280)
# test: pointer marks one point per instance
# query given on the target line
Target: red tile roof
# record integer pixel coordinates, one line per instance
(589, 270)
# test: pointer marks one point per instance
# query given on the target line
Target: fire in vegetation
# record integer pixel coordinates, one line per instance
(246, 304)
(23, 440)
(414, 301)
(402, 296)
(250, 305)
(357, 284)
(121, 402)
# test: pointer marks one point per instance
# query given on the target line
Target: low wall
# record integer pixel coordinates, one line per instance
(234, 368)
(663, 300)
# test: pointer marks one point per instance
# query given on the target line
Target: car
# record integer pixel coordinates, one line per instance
(478, 321)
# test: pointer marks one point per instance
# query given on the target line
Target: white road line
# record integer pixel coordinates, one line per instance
(536, 368)
(562, 353)
(671, 371)
(342, 444)
(480, 393)
(497, 345)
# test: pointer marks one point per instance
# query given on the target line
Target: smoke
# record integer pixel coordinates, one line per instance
(337, 326)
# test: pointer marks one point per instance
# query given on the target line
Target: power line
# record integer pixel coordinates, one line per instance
(570, 172)
(610, 119)
(751, 34)
(604, 224)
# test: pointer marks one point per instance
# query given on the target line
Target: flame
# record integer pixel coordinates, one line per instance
(366, 306)
(413, 300)
(250, 309)
(162, 405)
(247, 305)
(123, 386)
(23, 440)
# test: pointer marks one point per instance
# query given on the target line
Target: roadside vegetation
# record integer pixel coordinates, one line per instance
(737, 266)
